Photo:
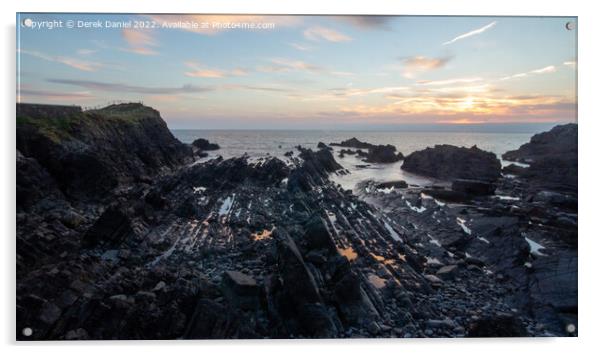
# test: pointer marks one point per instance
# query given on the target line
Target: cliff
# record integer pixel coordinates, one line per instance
(89, 153)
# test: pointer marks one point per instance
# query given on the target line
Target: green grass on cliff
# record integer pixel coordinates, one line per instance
(59, 128)
(129, 112)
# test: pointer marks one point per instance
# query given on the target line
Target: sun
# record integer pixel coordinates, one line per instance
(468, 103)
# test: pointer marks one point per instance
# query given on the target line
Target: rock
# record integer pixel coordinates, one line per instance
(513, 169)
(383, 154)
(441, 324)
(447, 195)
(552, 198)
(113, 226)
(448, 162)
(552, 159)
(321, 145)
(374, 328)
(77, 334)
(33, 182)
(433, 279)
(160, 286)
(317, 235)
(560, 140)
(353, 143)
(241, 289)
(394, 184)
(503, 325)
(473, 187)
(204, 145)
(50, 313)
(447, 272)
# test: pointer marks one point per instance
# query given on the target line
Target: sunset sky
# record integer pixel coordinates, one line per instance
(309, 71)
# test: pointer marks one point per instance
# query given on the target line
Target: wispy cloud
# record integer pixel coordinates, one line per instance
(139, 41)
(285, 65)
(412, 66)
(79, 64)
(301, 47)
(471, 33)
(118, 87)
(570, 63)
(464, 80)
(200, 70)
(55, 95)
(319, 33)
(86, 51)
(544, 70)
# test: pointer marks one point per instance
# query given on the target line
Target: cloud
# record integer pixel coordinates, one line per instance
(85, 51)
(471, 33)
(413, 66)
(449, 81)
(255, 88)
(55, 95)
(369, 22)
(286, 65)
(124, 88)
(319, 33)
(570, 63)
(72, 62)
(544, 70)
(139, 41)
(199, 70)
(301, 47)
(547, 69)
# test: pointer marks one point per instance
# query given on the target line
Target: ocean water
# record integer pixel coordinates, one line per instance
(258, 143)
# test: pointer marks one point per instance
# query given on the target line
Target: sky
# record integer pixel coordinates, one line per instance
(305, 72)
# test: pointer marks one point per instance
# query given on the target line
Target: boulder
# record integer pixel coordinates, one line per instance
(448, 272)
(204, 145)
(383, 154)
(110, 229)
(448, 162)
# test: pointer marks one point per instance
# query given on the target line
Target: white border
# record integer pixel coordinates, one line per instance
(590, 99)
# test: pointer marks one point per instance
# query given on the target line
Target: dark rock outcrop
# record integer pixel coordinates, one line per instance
(353, 143)
(552, 157)
(448, 162)
(383, 154)
(204, 145)
(375, 154)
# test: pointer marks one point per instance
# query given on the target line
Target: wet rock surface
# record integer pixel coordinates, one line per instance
(266, 248)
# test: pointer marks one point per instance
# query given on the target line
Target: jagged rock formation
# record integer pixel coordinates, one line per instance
(552, 159)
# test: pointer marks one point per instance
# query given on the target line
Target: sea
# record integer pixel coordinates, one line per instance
(263, 143)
